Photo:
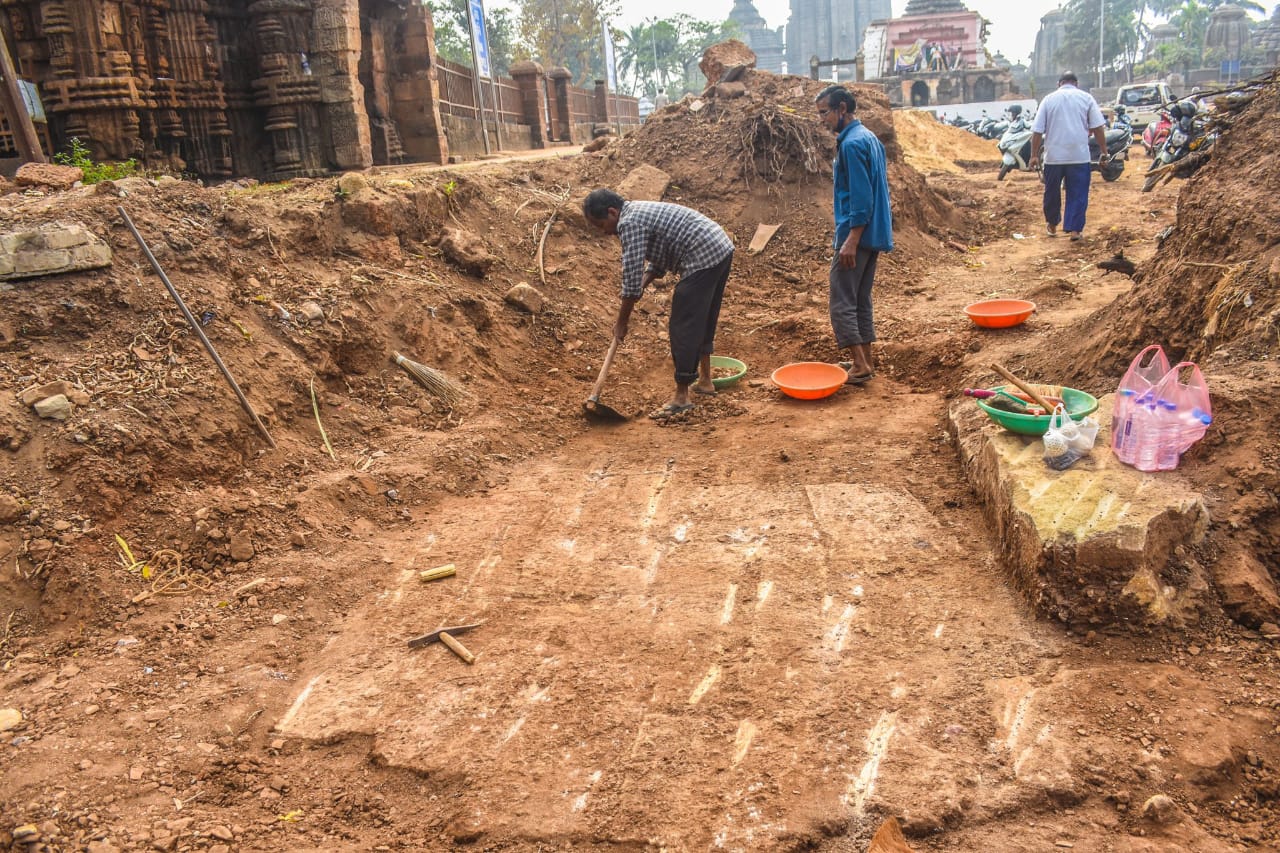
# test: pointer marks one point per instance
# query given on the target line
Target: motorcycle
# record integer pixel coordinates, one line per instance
(1118, 141)
(1188, 135)
(1155, 133)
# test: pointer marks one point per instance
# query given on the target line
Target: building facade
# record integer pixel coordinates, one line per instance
(767, 44)
(829, 29)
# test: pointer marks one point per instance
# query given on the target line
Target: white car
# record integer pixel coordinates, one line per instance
(1143, 101)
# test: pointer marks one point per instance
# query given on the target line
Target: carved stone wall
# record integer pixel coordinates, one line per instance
(269, 88)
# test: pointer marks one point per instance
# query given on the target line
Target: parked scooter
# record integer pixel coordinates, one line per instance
(1155, 133)
(1187, 136)
(1015, 144)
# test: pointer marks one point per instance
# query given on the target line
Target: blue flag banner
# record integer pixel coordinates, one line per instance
(479, 39)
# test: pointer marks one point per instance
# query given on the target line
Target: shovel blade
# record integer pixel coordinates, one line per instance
(597, 411)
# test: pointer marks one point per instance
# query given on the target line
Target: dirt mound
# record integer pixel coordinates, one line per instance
(932, 146)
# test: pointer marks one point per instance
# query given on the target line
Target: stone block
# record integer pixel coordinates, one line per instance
(1248, 593)
(644, 183)
(47, 175)
(66, 237)
(1092, 544)
(30, 396)
(91, 257)
(57, 407)
(33, 262)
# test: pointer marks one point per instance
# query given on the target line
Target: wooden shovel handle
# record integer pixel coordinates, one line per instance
(456, 647)
(1040, 401)
(604, 371)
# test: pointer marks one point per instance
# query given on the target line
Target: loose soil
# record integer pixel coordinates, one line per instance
(767, 625)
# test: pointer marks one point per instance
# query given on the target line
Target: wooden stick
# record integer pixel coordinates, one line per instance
(457, 648)
(315, 407)
(1040, 401)
(437, 573)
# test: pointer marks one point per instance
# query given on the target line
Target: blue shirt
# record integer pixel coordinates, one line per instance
(862, 189)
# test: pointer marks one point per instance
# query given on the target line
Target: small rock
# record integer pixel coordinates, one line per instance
(85, 764)
(278, 618)
(9, 718)
(299, 539)
(102, 847)
(1193, 650)
(526, 297)
(351, 183)
(136, 773)
(57, 407)
(10, 508)
(90, 710)
(221, 833)
(312, 312)
(28, 833)
(241, 546)
(1161, 809)
(155, 715)
(277, 744)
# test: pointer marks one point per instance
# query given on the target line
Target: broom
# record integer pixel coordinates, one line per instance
(433, 380)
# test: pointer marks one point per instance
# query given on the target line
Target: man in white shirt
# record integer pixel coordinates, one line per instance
(1061, 131)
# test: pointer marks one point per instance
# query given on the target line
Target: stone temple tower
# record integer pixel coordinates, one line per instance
(829, 29)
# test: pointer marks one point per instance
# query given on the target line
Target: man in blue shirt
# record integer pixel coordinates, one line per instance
(864, 228)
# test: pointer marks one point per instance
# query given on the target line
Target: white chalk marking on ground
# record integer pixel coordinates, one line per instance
(1041, 737)
(1015, 716)
(406, 575)
(840, 631)
(651, 573)
(726, 613)
(297, 704)
(511, 732)
(937, 632)
(581, 803)
(567, 545)
(742, 740)
(538, 694)
(709, 679)
(862, 786)
(1037, 491)
(762, 593)
(1105, 503)
(483, 567)
(681, 533)
(827, 601)
(651, 512)
(857, 592)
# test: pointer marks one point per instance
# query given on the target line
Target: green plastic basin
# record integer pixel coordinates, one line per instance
(723, 361)
(1078, 404)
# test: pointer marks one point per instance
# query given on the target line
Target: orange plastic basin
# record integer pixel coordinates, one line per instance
(1000, 313)
(809, 380)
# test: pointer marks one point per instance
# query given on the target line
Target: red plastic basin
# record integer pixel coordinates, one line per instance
(1000, 313)
(809, 380)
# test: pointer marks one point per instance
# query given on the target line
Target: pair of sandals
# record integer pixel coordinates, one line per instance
(862, 379)
(671, 411)
(1052, 231)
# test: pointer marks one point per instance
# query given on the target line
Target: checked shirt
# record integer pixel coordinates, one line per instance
(671, 238)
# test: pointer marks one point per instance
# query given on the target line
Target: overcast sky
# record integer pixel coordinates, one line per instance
(1014, 23)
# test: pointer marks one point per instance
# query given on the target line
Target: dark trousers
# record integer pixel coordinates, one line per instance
(1076, 178)
(849, 300)
(695, 311)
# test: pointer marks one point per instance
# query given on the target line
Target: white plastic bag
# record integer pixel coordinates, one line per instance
(1065, 441)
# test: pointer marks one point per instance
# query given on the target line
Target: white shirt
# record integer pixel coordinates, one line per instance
(1065, 119)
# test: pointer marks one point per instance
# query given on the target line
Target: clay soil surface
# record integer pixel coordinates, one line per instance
(770, 625)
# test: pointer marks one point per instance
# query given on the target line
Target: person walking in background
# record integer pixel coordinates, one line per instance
(864, 228)
(670, 237)
(1061, 131)
(660, 100)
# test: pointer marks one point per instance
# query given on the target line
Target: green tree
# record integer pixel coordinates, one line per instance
(1081, 19)
(648, 56)
(567, 33)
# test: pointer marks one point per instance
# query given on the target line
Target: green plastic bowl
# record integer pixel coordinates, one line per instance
(723, 361)
(1077, 403)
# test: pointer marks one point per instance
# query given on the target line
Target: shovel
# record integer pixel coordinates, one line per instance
(594, 409)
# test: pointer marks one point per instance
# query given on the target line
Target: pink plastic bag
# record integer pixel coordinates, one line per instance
(1138, 382)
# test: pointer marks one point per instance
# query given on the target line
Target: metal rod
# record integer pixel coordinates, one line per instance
(195, 326)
